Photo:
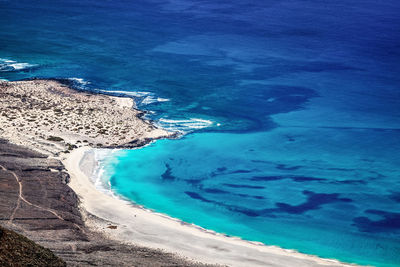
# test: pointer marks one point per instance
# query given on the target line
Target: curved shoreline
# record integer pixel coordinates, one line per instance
(141, 226)
(133, 224)
(51, 116)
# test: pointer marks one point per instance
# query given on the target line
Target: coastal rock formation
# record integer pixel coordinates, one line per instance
(51, 117)
(36, 201)
(17, 250)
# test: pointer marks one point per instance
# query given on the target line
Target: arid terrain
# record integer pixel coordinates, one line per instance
(47, 130)
(40, 121)
(36, 201)
(50, 117)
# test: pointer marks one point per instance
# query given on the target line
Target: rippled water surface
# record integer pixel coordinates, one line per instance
(291, 110)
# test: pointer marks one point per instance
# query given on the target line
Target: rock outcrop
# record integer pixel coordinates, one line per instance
(36, 202)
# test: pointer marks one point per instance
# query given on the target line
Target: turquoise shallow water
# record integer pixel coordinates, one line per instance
(291, 110)
(269, 188)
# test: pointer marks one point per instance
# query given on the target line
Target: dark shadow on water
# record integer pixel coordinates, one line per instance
(390, 222)
(314, 201)
(167, 175)
(244, 186)
(287, 168)
(281, 177)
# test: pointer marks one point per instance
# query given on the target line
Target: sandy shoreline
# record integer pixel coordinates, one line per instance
(38, 114)
(139, 226)
(50, 117)
(36, 201)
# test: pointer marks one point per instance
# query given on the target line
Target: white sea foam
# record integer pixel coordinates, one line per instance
(184, 125)
(141, 97)
(129, 93)
(79, 81)
(21, 66)
(7, 65)
(98, 178)
(151, 99)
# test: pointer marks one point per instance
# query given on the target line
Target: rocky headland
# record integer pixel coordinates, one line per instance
(41, 121)
(36, 202)
(51, 117)
(47, 132)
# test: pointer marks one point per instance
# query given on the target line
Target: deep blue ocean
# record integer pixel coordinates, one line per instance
(290, 109)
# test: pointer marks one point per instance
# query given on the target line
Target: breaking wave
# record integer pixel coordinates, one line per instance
(7, 65)
(142, 98)
(184, 125)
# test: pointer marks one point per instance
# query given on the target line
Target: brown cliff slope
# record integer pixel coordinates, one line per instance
(17, 250)
(36, 202)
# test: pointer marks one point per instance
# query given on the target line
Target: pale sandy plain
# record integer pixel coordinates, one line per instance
(50, 117)
(141, 226)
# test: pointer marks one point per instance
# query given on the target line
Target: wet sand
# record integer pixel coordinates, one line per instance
(140, 226)
(54, 123)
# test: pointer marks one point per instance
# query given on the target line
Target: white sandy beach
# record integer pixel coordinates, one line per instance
(142, 227)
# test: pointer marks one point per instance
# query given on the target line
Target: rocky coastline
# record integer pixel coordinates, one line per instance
(42, 121)
(36, 201)
(45, 128)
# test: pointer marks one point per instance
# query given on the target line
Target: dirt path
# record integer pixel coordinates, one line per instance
(21, 197)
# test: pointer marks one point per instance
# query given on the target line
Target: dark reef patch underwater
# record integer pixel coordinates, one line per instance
(291, 109)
